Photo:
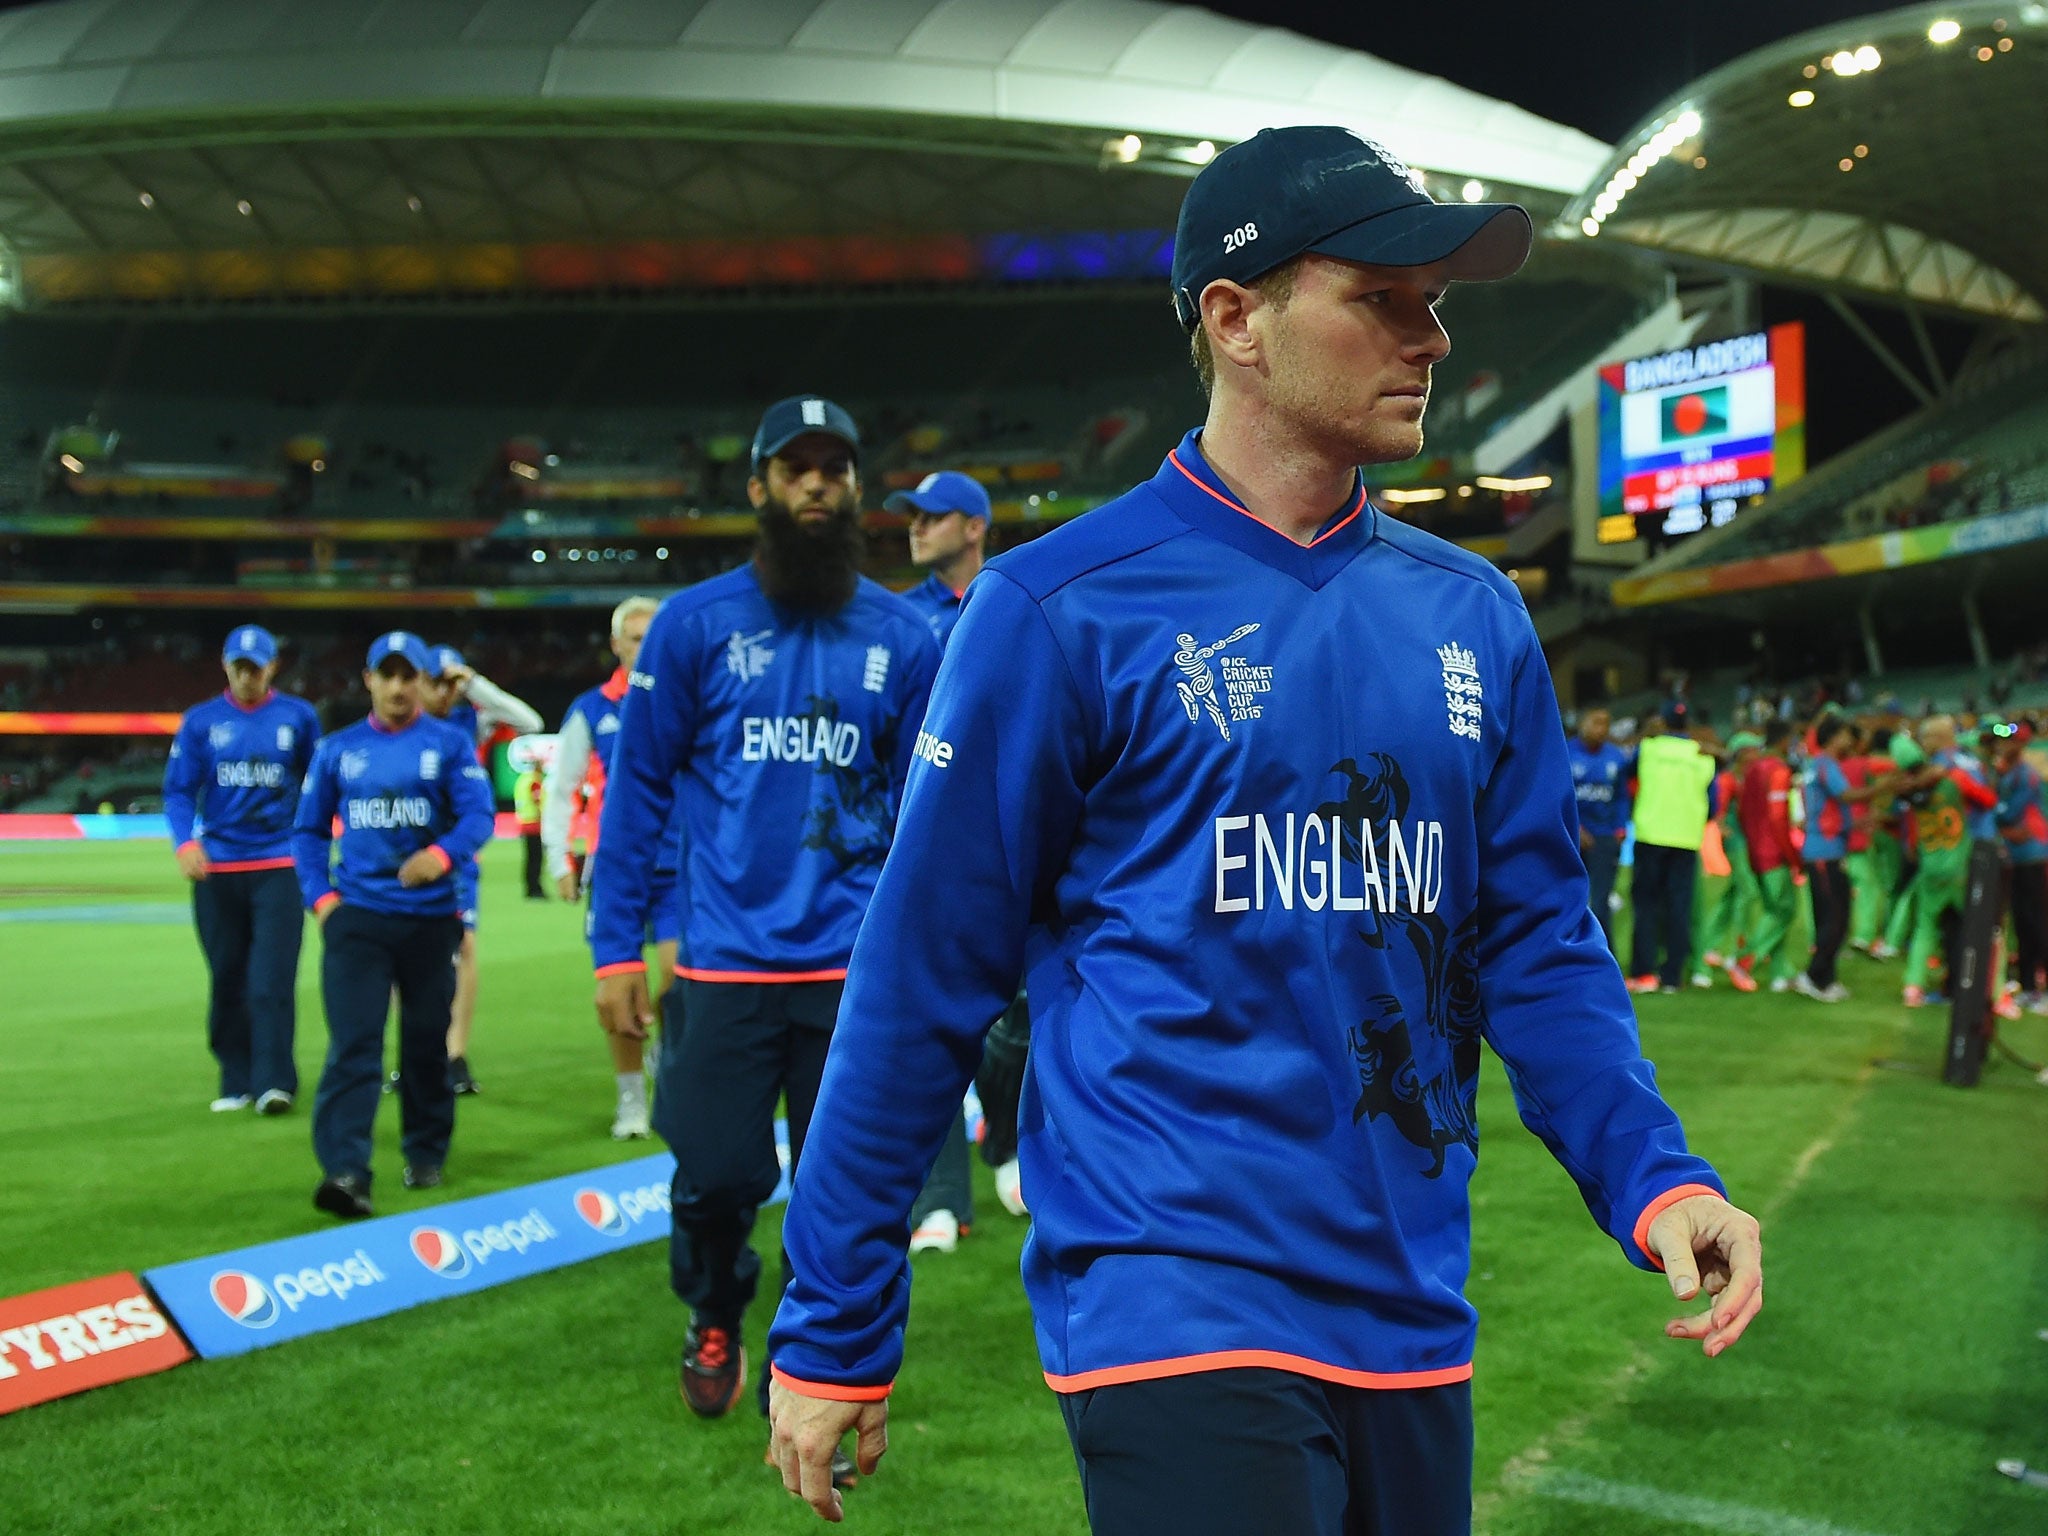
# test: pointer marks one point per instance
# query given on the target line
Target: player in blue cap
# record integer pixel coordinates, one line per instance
(949, 516)
(949, 533)
(1268, 795)
(780, 705)
(456, 692)
(413, 806)
(231, 789)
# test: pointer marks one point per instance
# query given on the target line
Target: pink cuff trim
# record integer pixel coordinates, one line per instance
(441, 853)
(621, 968)
(331, 899)
(190, 842)
(1658, 1207)
(828, 1390)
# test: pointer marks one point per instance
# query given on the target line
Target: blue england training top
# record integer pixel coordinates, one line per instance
(1277, 834)
(233, 779)
(938, 604)
(792, 738)
(396, 792)
(1600, 785)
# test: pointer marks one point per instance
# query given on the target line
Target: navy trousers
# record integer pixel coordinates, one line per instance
(1223, 1453)
(729, 1051)
(1603, 862)
(250, 923)
(1663, 903)
(364, 955)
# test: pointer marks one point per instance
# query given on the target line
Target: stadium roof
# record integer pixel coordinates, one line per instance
(1898, 156)
(242, 148)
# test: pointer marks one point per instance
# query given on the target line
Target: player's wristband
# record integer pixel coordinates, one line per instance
(621, 968)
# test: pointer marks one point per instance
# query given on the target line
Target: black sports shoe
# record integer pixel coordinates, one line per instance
(422, 1177)
(344, 1195)
(714, 1370)
(458, 1075)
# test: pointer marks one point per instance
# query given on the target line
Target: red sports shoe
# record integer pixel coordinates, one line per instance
(1641, 983)
(1739, 977)
(714, 1370)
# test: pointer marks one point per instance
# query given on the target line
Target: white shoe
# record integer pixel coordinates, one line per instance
(631, 1123)
(1781, 984)
(1805, 986)
(1702, 980)
(228, 1103)
(273, 1101)
(937, 1233)
(1834, 992)
(1010, 1188)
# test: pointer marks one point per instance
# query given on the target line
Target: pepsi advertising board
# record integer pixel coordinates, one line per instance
(1688, 438)
(252, 1298)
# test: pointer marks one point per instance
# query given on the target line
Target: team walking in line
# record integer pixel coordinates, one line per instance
(1867, 826)
(1269, 865)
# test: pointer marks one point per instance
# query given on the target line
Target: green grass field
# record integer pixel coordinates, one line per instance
(1897, 1357)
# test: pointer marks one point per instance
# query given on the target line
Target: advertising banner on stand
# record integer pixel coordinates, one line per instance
(251, 1298)
(74, 1337)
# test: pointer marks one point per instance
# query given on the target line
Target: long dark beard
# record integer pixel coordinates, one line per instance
(813, 570)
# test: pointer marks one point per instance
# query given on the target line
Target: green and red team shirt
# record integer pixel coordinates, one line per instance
(1766, 814)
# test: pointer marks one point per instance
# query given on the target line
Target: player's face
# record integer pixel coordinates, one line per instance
(438, 695)
(937, 537)
(626, 643)
(248, 682)
(1594, 725)
(1348, 357)
(813, 478)
(394, 691)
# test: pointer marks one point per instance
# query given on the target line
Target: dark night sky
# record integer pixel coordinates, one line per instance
(1598, 65)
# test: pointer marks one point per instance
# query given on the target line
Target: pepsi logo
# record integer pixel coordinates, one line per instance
(601, 1212)
(437, 1248)
(244, 1298)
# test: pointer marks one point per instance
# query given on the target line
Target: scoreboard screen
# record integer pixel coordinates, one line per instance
(1691, 437)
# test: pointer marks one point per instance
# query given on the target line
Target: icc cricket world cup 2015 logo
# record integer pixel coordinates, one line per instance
(1197, 684)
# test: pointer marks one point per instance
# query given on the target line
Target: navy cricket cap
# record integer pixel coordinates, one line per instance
(446, 660)
(946, 490)
(787, 420)
(250, 642)
(401, 643)
(1288, 191)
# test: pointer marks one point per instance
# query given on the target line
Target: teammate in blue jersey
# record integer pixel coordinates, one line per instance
(949, 516)
(576, 781)
(413, 805)
(231, 788)
(787, 695)
(949, 533)
(1271, 804)
(456, 692)
(1600, 773)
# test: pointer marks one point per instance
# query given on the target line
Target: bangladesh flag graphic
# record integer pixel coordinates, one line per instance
(1694, 413)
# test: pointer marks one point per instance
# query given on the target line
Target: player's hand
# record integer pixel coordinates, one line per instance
(565, 887)
(622, 1004)
(458, 677)
(423, 868)
(805, 1431)
(1585, 841)
(1707, 1244)
(192, 862)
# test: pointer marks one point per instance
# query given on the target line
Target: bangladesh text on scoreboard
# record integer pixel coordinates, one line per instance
(1690, 437)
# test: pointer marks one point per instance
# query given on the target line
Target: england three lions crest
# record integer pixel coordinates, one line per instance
(1464, 695)
(1242, 683)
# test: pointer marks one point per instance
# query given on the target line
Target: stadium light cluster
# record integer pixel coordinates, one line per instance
(1664, 142)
